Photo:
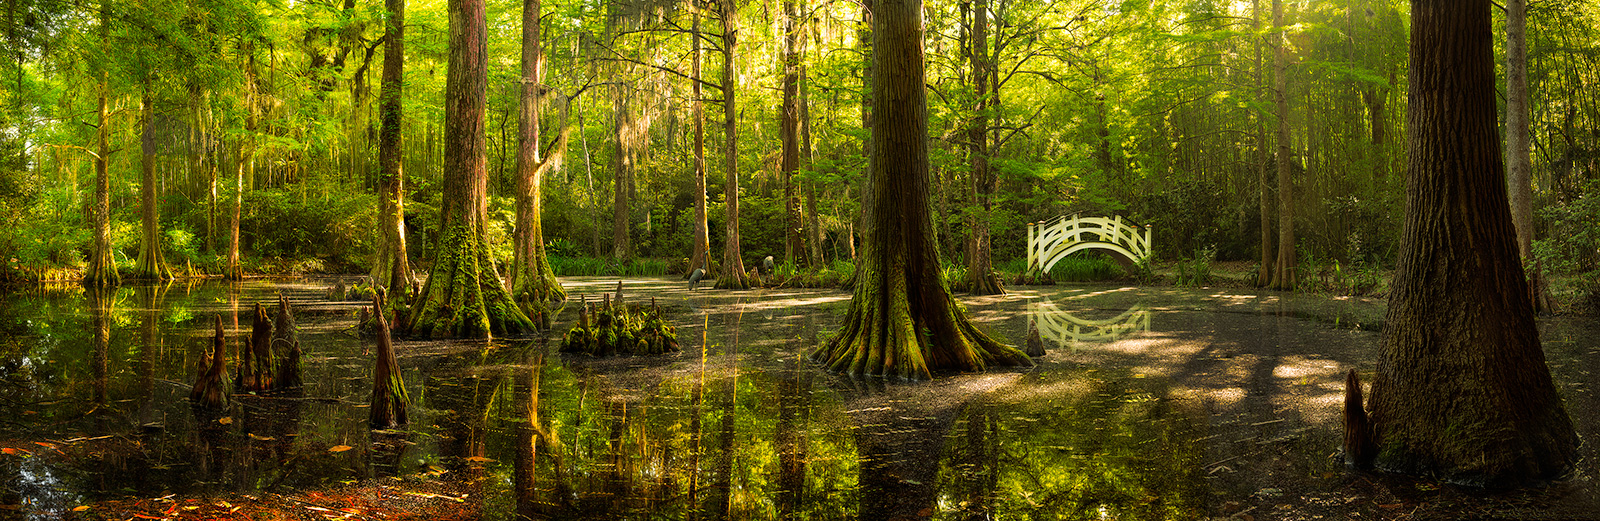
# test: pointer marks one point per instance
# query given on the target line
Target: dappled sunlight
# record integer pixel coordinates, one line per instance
(1302, 367)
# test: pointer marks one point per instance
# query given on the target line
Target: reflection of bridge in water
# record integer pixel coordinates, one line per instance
(1067, 330)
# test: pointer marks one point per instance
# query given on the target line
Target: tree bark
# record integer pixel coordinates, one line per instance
(393, 266)
(626, 135)
(902, 320)
(1283, 275)
(733, 275)
(246, 166)
(700, 257)
(789, 131)
(1462, 391)
(464, 297)
(981, 278)
(531, 274)
(102, 271)
(151, 264)
(1519, 165)
(1264, 276)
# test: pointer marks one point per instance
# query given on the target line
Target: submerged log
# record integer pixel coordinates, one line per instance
(286, 346)
(388, 389)
(211, 390)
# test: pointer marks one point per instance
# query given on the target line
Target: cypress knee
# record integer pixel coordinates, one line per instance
(388, 389)
(211, 391)
(286, 345)
(1358, 446)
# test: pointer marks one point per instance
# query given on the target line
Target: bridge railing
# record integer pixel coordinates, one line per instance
(1053, 239)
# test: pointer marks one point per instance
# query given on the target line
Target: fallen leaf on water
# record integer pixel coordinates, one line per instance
(479, 459)
(80, 508)
(12, 451)
(225, 420)
(260, 438)
(339, 448)
(45, 445)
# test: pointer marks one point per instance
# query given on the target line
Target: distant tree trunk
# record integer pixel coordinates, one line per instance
(701, 254)
(980, 270)
(531, 274)
(1264, 276)
(246, 166)
(733, 275)
(1283, 275)
(464, 297)
(621, 245)
(789, 131)
(1519, 166)
(151, 264)
(813, 220)
(902, 320)
(1462, 391)
(864, 39)
(102, 271)
(393, 266)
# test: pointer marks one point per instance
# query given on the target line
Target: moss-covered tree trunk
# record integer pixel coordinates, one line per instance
(151, 264)
(1462, 391)
(733, 275)
(102, 271)
(902, 320)
(789, 133)
(464, 297)
(392, 267)
(700, 257)
(980, 268)
(531, 275)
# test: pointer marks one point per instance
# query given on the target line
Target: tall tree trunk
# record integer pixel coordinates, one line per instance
(464, 296)
(1283, 275)
(1519, 166)
(789, 131)
(102, 267)
(733, 275)
(980, 271)
(813, 220)
(246, 165)
(902, 320)
(1264, 276)
(700, 257)
(626, 134)
(868, 57)
(531, 274)
(151, 263)
(1462, 391)
(393, 266)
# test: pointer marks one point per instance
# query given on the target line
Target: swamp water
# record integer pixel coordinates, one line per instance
(1153, 403)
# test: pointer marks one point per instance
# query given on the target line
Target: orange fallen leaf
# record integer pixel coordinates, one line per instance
(260, 438)
(13, 451)
(80, 508)
(339, 448)
(479, 459)
(225, 420)
(45, 445)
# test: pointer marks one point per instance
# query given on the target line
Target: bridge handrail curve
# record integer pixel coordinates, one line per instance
(1055, 238)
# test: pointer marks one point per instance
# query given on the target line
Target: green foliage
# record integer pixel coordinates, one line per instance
(1088, 267)
(336, 226)
(1318, 274)
(591, 267)
(1195, 271)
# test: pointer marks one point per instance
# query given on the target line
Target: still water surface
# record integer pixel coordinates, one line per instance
(1144, 409)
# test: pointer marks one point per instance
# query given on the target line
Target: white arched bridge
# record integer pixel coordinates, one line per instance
(1050, 241)
(1067, 330)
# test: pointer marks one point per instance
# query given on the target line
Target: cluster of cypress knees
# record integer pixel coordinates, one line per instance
(270, 364)
(617, 328)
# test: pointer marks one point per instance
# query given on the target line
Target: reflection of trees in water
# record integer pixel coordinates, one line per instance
(1108, 448)
(757, 452)
(1067, 329)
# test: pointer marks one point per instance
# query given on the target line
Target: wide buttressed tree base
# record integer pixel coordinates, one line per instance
(902, 320)
(1462, 390)
(464, 297)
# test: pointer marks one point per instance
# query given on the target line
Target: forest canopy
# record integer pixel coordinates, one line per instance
(1160, 111)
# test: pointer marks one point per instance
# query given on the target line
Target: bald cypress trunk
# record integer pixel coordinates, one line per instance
(1283, 274)
(151, 264)
(393, 267)
(464, 297)
(531, 273)
(902, 320)
(701, 254)
(733, 275)
(980, 270)
(1462, 390)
